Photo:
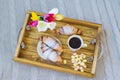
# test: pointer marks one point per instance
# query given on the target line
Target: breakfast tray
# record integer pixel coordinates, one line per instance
(29, 55)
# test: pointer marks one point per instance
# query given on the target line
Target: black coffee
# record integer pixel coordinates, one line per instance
(75, 42)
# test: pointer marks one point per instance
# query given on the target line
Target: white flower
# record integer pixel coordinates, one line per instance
(51, 25)
(54, 11)
(42, 26)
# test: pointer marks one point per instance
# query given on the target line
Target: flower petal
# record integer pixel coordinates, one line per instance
(59, 16)
(34, 16)
(33, 23)
(42, 26)
(54, 11)
(49, 17)
(52, 25)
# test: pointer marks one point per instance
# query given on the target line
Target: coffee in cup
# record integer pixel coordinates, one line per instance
(75, 42)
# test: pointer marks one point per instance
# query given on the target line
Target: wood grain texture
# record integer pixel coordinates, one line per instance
(105, 12)
(30, 38)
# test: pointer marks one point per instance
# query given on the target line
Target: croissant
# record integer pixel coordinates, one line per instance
(68, 30)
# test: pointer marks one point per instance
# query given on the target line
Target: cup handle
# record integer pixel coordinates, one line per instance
(84, 45)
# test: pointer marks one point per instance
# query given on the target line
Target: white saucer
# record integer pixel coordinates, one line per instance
(40, 51)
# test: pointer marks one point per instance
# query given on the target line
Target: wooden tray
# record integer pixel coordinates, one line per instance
(29, 55)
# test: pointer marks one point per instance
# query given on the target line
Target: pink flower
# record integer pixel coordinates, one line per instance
(49, 18)
(33, 23)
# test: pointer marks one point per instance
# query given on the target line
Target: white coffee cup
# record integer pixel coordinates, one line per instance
(76, 45)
